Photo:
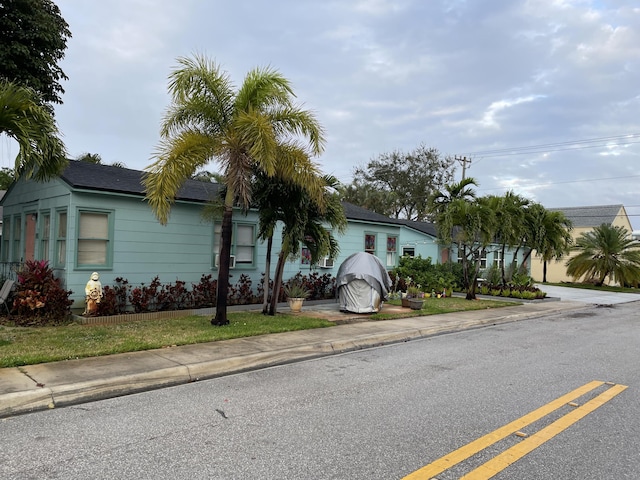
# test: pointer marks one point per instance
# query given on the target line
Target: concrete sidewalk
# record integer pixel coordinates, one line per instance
(49, 385)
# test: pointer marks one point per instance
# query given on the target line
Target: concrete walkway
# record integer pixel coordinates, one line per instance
(594, 297)
(50, 385)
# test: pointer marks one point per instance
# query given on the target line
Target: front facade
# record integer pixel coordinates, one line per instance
(583, 219)
(94, 218)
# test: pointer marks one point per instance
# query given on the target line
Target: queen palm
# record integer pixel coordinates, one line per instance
(254, 127)
(41, 153)
(606, 251)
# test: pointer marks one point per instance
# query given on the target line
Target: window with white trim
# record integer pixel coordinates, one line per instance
(370, 243)
(94, 245)
(16, 233)
(392, 250)
(45, 235)
(61, 239)
(243, 243)
(408, 251)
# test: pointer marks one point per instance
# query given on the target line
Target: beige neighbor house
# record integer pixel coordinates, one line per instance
(584, 219)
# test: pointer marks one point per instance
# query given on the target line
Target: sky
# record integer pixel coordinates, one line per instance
(542, 96)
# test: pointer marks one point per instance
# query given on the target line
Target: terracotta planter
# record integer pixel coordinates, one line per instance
(295, 304)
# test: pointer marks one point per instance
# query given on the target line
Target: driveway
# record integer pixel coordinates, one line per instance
(588, 296)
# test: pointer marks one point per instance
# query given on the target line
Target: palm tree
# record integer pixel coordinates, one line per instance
(41, 155)
(547, 232)
(462, 190)
(256, 127)
(467, 223)
(509, 211)
(606, 251)
(303, 220)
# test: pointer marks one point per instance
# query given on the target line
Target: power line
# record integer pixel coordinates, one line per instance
(561, 146)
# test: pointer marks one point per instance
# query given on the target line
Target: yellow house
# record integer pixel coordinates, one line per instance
(584, 219)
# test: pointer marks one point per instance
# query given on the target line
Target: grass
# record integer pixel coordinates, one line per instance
(31, 345)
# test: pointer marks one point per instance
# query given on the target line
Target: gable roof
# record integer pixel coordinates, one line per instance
(107, 178)
(593, 216)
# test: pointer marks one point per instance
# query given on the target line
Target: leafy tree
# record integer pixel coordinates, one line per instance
(256, 127)
(367, 196)
(33, 39)
(96, 159)
(548, 233)
(403, 182)
(87, 157)
(606, 251)
(6, 178)
(41, 155)
(208, 177)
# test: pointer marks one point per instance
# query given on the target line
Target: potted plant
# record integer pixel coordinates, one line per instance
(296, 294)
(414, 298)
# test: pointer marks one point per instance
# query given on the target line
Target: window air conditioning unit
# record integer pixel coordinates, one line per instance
(232, 261)
(326, 263)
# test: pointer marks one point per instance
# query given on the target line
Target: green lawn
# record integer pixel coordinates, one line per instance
(31, 345)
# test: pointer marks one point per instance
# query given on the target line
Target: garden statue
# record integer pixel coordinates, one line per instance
(93, 294)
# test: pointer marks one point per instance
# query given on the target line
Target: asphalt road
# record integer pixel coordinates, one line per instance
(381, 413)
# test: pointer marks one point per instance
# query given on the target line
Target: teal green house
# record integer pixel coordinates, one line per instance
(94, 218)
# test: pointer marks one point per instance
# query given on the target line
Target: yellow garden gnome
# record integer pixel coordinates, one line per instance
(93, 294)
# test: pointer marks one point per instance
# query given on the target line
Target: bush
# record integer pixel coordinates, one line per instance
(39, 297)
(423, 273)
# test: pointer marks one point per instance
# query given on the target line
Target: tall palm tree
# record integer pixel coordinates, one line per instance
(548, 233)
(303, 221)
(509, 210)
(606, 251)
(469, 224)
(41, 155)
(255, 127)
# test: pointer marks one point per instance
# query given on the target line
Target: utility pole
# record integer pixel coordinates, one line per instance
(463, 161)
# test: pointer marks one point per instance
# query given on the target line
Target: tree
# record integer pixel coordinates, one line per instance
(509, 210)
(254, 128)
(303, 222)
(87, 157)
(548, 233)
(606, 251)
(406, 180)
(440, 199)
(41, 155)
(473, 224)
(33, 39)
(366, 196)
(6, 178)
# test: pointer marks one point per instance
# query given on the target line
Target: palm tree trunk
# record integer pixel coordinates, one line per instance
(504, 277)
(277, 281)
(544, 271)
(267, 269)
(223, 267)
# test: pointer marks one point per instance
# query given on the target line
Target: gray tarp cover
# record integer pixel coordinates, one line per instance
(362, 283)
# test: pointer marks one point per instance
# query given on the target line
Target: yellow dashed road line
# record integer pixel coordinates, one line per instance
(511, 455)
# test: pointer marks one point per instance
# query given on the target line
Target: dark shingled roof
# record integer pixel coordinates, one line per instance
(91, 176)
(106, 178)
(355, 212)
(590, 216)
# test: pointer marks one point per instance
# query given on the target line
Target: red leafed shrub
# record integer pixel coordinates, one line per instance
(39, 297)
